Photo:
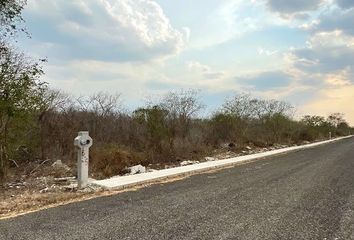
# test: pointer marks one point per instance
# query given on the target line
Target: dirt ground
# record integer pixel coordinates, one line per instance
(39, 184)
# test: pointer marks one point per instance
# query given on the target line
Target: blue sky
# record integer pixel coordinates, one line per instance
(301, 51)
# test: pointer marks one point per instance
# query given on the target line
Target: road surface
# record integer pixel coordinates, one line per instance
(307, 194)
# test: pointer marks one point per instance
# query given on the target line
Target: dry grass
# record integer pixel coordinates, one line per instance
(110, 161)
(31, 201)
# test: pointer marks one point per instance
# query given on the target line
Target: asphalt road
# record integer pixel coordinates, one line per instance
(307, 194)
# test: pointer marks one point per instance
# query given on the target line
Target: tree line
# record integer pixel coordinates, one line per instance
(166, 130)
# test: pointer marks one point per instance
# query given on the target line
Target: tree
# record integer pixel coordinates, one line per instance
(21, 93)
(10, 17)
(343, 128)
(154, 120)
(313, 121)
(278, 125)
(223, 127)
(249, 113)
(275, 107)
(101, 103)
(335, 119)
(235, 113)
(239, 106)
(182, 107)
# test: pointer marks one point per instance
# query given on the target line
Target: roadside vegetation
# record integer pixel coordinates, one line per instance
(165, 132)
(38, 124)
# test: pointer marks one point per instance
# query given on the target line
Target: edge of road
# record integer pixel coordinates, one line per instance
(125, 182)
(135, 182)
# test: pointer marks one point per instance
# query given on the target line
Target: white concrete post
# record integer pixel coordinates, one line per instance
(83, 142)
(330, 135)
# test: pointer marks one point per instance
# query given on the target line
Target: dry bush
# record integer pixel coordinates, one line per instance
(162, 133)
(110, 161)
(189, 149)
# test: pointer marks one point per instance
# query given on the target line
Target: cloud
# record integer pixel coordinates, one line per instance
(326, 67)
(337, 20)
(339, 79)
(204, 70)
(125, 30)
(345, 3)
(132, 79)
(293, 7)
(266, 52)
(327, 52)
(266, 80)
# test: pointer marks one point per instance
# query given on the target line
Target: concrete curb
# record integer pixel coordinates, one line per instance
(123, 182)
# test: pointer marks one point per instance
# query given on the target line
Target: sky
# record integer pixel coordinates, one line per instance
(299, 51)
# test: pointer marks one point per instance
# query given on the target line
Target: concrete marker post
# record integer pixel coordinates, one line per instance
(83, 142)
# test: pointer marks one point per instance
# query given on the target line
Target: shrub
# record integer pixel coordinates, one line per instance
(112, 160)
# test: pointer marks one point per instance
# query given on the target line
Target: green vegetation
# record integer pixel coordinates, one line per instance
(21, 91)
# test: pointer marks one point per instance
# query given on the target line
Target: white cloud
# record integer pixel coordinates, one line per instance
(205, 71)
(130, 29)
(339, 78)
(84, 77)
(266, 52)
(231, 19)
(309, 25)
(330, 39)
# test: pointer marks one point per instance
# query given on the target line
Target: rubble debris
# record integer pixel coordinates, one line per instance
(16, 185)
(64, 179)
(137, 169)
(44, 190)
(188, 162)
(210, 159)
(60, 165)
(72, 187)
